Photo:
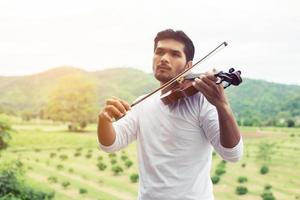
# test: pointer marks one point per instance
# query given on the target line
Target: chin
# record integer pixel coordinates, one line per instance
(162, 78)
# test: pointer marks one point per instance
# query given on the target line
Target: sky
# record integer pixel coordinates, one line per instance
(263, 36)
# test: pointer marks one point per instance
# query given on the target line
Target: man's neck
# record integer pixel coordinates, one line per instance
(168, 88)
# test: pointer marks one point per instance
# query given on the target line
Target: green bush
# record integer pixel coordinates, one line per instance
(59, 167)
(89, 155)
(34, 194)
(13, 187)
(101, 166)
(242, 179)
(244, 165)
(222, 164)
(65, 184)
(241, 190)
(220, 171)
(128, 163)
(37, 150)
(5, 129)
(90, 151)
(100, 158)
(9, 197)
(9, 182)
(264, 169)
(134, 177)
(71, 170)
(117, 169)
(63, 157)
(77, 154)
(79, 149)
(82, 191)
(112, 155)
(19, 164)
(124, 157)
(267, 195)
(52, 179)
(113, 161)
(268, 187)
(215, 179)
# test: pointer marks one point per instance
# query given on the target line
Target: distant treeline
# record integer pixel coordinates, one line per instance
(67, 94)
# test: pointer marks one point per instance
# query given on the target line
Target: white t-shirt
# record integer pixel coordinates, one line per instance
(174, 145)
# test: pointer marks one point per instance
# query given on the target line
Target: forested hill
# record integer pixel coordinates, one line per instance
(260, 100)
(253, 100)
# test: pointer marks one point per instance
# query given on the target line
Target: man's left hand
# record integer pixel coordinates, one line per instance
(213, 92)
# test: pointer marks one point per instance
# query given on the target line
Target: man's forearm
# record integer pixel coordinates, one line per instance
(106, 132)
(229, 130)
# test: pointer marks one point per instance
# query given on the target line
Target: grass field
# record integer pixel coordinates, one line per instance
(65, 162)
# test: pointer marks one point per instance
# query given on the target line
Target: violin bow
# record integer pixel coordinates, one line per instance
(165, 85)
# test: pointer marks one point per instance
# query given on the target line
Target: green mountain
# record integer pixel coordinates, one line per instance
(264, 101)
(253, 99)
(31, 93)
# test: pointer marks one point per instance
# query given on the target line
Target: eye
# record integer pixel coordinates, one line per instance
(176, 54)
(159, 52)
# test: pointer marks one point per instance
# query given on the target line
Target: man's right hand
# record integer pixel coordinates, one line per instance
(114, 109)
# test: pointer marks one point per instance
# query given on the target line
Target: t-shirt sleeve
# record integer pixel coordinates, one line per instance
(210, 124)
(126, 130)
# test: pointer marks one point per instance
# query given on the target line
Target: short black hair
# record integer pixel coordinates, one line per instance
(180, 36)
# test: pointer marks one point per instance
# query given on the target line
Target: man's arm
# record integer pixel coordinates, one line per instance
(229, 131)
(114, 109)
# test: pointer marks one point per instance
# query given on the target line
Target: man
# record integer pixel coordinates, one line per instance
(174, 142)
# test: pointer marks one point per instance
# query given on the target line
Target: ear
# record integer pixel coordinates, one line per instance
(189, 64)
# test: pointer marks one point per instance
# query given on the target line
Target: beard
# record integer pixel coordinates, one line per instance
(164, 73)
(163, 77)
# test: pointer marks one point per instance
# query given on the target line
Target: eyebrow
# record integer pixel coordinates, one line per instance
(168, 49)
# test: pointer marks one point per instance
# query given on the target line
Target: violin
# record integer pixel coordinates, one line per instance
(184, 86)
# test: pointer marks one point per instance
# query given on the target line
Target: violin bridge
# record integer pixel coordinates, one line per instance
(180, 79)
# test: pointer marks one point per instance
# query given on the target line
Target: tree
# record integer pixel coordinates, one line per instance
(27, 115)
(265, 151)
(290, 123)
(5, 128)
(293, 105)
(73, 100)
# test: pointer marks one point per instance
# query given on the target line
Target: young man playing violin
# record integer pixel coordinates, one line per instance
(174, 142)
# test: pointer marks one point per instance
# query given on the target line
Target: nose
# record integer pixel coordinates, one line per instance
(165, 58)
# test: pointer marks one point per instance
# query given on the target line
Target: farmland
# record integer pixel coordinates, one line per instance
(72, 165)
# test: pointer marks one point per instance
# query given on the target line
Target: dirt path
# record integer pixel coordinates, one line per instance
(263, 134)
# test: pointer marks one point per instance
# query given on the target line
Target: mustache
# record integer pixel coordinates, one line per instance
(163, 66)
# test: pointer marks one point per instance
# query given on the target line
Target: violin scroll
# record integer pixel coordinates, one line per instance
(231, 78)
